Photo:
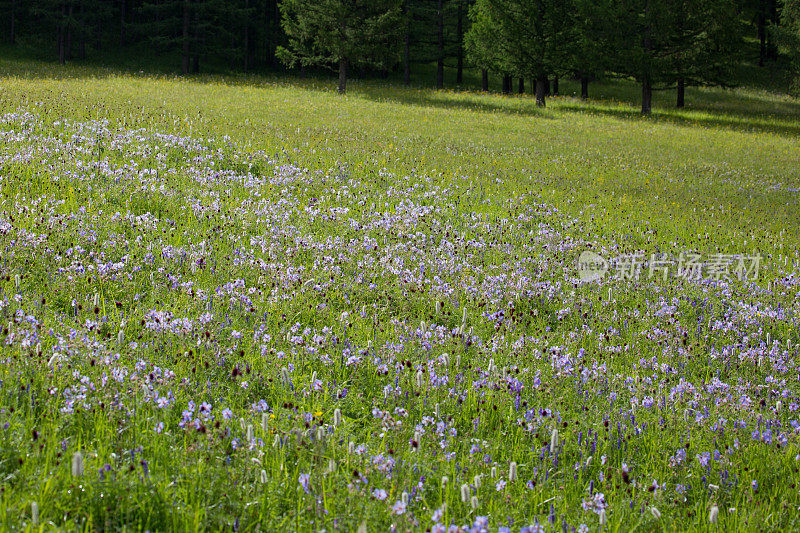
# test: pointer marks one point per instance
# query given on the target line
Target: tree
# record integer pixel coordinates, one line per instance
(704, 43)
(10, 8)
(521, 38)
(591, 41)
(340, 32)
(659, 42)
(482, 43)
(788, 35)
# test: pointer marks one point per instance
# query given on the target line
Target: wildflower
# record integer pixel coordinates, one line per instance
(34, 512)
(553, 441)
(512, 471)
(655, 512)
(713, 514)
(477, 481)
(337, 417)
(77, 464)
(603, 517)
(399, 507)
(304, 481)
(465, 493)
(263, 476)
(438, 513)
(474, 502)
(380, 494)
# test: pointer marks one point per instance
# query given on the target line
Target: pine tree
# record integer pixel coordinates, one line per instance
(344, 33)
(521, 38)
(788, 35)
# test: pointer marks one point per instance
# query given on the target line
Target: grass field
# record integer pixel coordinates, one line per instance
(250, 303)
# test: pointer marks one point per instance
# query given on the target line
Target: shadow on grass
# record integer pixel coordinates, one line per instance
(744, 111)
(698, 116)
(453, 100)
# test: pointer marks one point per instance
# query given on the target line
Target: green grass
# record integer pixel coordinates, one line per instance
(534, 186)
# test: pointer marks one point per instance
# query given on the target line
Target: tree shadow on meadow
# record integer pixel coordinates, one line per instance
(744, 111)
(740, 111)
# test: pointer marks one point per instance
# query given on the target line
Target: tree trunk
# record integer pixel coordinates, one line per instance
(196, 40)
(460, 36)
(541, 86)
(547, 87)
(507, 84)
(246, 35)
(681, 92)
(342, 75)
(762, 33)
(185, 36)
(62, 51)
(122, 34)
(440, 45)
(82, 36)
(647, 95)
(584, 87)
(521, 88)
(647, 89)
(12, 38)
(68, 46)
(407, 56)
(774, 19)
(270, 16)
(555, 85)
(485, 80)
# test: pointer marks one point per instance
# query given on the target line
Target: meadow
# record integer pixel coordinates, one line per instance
(249, 303)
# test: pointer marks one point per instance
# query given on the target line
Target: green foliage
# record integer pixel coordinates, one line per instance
(340, 32)
(788, 34)
(521, 37)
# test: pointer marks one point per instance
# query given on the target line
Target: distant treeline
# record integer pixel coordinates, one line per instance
(659, 43)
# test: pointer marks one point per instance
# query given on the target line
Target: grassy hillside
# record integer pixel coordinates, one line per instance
(249, 302)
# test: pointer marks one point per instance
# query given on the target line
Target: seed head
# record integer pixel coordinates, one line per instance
(77, 464)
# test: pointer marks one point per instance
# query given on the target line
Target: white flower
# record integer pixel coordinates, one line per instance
(77, 464)
(465, 493)
(553, 441)
(713, 514)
